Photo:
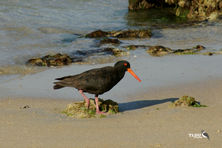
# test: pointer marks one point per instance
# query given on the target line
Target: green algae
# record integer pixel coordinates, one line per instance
(79, 110)
(187, 101)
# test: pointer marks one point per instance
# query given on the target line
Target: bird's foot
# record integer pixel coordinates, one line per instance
(100, 112)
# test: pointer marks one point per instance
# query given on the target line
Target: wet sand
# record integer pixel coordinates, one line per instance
(146, 120)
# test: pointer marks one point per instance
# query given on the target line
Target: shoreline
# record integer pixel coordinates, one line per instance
(153, 71)
(145, 121)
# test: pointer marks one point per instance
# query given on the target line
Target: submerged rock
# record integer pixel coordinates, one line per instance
(159, 50)
(146, 33)
(51, 60)
(79, 110)
(134, 47)
(194, 50)
(132, 34)
(187, 101)
(97, 34)
(185, 51)
(199, 47)
(117, 51)
(109, 41)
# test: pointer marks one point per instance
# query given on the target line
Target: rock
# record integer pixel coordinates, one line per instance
(185, 51)
(121, 34)
(79, 110)
(51, 60)
(109, 41)
(116, 51)
(197, 10)
(131, 34)
(194, 50)
(204, 9)
(187, 101)
(208, 53)
(144, 4)
(134, 47)
(199, 47)
(97, 34)
(159, 50)
(109, 106)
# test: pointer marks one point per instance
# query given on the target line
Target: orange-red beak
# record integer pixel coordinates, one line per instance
(133, 74)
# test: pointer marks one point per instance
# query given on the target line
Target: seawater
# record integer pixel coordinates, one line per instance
(31, 28)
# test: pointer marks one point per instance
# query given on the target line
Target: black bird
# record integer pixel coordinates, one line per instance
(96, 81)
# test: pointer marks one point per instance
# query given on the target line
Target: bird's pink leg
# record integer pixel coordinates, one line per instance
(97, 106)
(85, 98)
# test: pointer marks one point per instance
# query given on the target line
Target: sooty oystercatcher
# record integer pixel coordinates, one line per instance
(96, 81)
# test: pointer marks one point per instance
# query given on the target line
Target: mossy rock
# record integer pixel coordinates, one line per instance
(185, 51)
(79, 110)
(97, 34)
(146, 33)
(134, 47)
(109, 41)
(187, 101)
(117, 52)
(159, 50)
(51, 60)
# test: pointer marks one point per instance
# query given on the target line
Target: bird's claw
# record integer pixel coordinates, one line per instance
(100, 112)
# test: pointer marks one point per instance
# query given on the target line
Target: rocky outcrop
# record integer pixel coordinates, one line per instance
(51, 60)
(97, 34)
(116, 52)
(131, 34)
(161, 51)
(192, 9)
(109, 41)
(127, 34)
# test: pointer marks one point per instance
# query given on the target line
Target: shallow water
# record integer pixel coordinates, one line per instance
(31, 28)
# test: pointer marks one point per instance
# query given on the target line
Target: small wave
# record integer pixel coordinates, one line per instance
(19, 69)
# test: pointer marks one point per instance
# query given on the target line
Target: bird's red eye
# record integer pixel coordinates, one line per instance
(125, 64)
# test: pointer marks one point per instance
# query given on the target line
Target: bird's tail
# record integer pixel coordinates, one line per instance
(62, 83)
(57, 86)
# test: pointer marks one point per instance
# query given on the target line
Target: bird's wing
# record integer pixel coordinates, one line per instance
(90, 80)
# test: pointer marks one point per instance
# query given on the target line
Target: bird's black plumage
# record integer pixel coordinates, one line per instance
(95, 81)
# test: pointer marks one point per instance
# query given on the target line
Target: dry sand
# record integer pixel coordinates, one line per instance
(145, 121)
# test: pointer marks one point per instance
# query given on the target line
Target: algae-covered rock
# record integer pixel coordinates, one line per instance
(199, 47)
(145, 4)
(51, 60)
(117, 51)
(134, 47)
(79, 110)
(185, 51)
(159, 50)
(146, 33)
(187, 101)
(97, 34)
(192, 9)
(109, 41)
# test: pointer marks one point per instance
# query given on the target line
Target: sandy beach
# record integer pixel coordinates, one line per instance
(147, 120)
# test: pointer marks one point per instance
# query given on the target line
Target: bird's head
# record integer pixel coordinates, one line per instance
(125, 65)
